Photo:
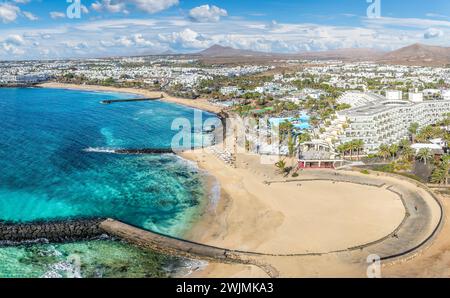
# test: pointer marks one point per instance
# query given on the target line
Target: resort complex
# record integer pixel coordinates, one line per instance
(385, 121)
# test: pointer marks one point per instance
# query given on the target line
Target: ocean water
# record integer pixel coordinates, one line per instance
(91, 259)
(54, 160)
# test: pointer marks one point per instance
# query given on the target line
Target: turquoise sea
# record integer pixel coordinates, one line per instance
(55, 161)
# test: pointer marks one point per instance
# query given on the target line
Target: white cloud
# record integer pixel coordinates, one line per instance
(15, 39)
(76, 45)
(406, 22)
(135, 40)
(57, 15)
(154, 6)
(84, 9)
(107, 5)
(128, 36)
(433, 33)
(120, 6)
(8, 12)
(30, 16)
(206, 13)
(12, 45)
(187, 39)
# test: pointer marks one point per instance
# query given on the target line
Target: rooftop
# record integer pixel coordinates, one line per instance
(375, 107)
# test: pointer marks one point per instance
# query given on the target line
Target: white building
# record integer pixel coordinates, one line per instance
(419, 146)
(394, 95)
(446, 94)
(415, 97)
(387, 122)
(357, 99)
(230, 90)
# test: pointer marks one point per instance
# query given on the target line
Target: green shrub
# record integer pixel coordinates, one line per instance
(389, 168)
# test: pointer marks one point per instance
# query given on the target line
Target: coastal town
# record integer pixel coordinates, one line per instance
(315, 129)
(343, 112)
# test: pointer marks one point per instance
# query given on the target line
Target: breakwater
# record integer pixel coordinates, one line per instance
(111, 101)
(76, 230)
(55, 231)
(144, 151)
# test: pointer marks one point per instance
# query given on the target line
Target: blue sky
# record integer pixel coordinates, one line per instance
(34, 29)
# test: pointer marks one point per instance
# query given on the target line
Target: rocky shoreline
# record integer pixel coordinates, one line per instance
(55, 231)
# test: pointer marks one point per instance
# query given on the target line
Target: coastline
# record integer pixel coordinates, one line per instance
(201, 104)
(289, 218)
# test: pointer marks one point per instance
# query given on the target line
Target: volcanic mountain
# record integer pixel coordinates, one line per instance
(418, 54)
(221, 51)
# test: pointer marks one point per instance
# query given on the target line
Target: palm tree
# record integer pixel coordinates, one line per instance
(359, 145)
(291, 144)
(408, 153)
(446, 121)
(350, 147)
(428, 132)
(342, 149)
(304, 137)
(284, 129)
(404, 143)
(393, 150)
(281, 166)
(413, 131)
(384, 152)
(425, 155)
(441, 174)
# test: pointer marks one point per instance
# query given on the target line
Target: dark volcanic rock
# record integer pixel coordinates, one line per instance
(58, 231)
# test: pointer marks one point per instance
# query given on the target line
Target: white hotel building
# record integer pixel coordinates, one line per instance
(388, 121)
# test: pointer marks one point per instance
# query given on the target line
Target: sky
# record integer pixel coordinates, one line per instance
(43, 29)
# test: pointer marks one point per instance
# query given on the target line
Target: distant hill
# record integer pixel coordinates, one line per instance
(418, 54)
(344, 54)
(221, 51)
(168, 53)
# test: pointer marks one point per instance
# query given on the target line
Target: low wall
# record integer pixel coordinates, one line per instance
(58, 231)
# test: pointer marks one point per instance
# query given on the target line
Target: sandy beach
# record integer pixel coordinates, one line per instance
(319, 219)
(294, 218)
(200, 103)
(291, 218)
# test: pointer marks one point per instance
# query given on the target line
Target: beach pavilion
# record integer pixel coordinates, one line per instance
(318, 154)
